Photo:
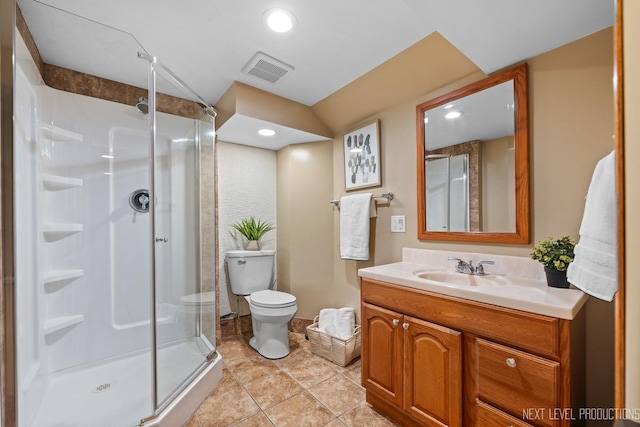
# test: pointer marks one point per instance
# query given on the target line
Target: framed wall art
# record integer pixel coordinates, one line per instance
(362, 157)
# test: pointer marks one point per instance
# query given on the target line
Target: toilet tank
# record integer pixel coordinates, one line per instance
(249, 271)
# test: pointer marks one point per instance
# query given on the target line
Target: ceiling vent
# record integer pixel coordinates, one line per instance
(267, 68)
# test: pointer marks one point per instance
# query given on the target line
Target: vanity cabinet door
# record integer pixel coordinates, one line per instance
(382, 353)
(433, 373)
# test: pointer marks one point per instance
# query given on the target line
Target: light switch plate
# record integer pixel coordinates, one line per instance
(398, 224)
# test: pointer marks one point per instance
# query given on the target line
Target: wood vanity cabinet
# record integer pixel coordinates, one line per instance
(433, 360)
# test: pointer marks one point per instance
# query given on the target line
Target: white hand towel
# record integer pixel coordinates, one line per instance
(354, 226)
(595, 266)
(345, 322)
(327, 318)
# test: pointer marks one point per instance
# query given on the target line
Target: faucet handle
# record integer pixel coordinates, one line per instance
(480, 268)
(461, 265)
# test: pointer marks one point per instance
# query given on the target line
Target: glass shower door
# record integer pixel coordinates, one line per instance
(447, 192)
(181, 303)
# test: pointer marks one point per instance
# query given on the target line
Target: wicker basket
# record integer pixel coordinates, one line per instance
(339, 351)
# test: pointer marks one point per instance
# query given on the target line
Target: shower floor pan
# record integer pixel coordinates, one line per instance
(115, 393)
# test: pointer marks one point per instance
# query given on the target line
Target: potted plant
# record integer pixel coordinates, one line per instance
(555, 255)
(252, 230)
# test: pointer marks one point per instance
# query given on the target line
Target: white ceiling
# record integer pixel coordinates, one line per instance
(206, 43)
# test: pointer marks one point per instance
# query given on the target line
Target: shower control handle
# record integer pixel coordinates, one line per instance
(162, 239)
(143, 199)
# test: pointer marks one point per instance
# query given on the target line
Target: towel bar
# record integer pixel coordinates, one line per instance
(389, 196)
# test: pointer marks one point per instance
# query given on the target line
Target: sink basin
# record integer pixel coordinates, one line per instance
(461, 279)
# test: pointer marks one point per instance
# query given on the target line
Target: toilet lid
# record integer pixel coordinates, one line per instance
(272, 299)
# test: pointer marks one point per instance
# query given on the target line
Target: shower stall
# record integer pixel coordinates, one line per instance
(114, 239)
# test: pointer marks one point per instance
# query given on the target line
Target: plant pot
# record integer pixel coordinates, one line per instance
(555, 278)
(252, 245)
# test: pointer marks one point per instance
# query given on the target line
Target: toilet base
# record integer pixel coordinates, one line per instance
(271, 340)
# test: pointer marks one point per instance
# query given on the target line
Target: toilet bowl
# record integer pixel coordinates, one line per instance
(251, 275)
(271, 312)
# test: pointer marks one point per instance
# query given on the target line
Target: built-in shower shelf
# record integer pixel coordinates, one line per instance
(57, 182)
(61, 230)
(61, 275)
(56, 133)
(53, 325)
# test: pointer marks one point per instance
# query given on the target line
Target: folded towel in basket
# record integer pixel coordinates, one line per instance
(338, 323)
(345, 322)
(326, 319)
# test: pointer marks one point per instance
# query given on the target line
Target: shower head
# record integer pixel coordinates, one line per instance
(143, 105)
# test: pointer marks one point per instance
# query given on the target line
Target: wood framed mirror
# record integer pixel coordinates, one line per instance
(473, 162)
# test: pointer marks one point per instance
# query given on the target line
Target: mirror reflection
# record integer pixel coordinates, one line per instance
(472, 144)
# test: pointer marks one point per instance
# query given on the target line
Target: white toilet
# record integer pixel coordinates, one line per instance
(251, 275)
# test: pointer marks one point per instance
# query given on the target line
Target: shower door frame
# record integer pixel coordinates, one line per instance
(155, 67)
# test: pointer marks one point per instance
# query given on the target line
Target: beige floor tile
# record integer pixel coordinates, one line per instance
(302, 410)
(338, 393)
(295, 357)
(234, 350)
(335, 423)
(309, 374)
(193, 422)
(252, 367)
(299, 390)
(365, 416)
(227, 404)
(258, 420)
(352, 371)
(272, 389)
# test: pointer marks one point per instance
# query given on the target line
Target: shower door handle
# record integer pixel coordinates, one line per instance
(162, 239)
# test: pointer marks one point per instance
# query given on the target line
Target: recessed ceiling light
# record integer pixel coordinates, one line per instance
(453, 115)
(266, 132)
(279, 20)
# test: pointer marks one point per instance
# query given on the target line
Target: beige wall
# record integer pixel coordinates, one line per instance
(571, 127)
(498, 185)
(305, 225)
(631, 28)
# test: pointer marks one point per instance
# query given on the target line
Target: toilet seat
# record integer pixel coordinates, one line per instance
(199, 300)
(272, 299)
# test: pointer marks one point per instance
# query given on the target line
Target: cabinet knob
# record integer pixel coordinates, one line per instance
(395, 322)
(405, 325)
(511, 362)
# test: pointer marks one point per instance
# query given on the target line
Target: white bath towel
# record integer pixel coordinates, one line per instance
(595, 266)
(354, 226)
(327, 318)
(337, 322)
(345, 322)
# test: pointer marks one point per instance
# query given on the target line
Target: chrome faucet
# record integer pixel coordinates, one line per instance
(463, 267)
(468, 268)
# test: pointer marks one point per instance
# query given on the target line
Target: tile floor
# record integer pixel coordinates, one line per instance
(300, 390)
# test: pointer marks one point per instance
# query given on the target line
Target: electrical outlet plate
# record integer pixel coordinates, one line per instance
(398, 224)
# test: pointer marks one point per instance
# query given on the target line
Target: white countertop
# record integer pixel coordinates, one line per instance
(524, 293)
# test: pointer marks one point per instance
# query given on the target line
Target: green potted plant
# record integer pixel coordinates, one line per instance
(252, 230)
(555, 255)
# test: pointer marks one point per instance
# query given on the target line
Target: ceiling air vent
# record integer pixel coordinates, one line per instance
(266, 68)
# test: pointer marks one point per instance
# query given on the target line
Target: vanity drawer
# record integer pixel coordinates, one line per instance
(488, 416)
(515, 381)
